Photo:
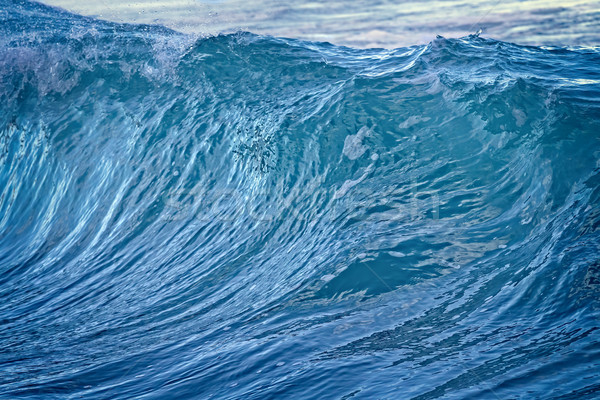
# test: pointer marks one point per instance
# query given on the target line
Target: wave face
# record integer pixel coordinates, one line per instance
(252, 217)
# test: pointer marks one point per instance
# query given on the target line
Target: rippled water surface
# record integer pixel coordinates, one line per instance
(243, 216)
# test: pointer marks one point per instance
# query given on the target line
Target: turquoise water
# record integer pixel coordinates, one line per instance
(252, 217)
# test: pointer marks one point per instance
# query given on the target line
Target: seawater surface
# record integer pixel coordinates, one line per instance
(250, 217)
(362, 23)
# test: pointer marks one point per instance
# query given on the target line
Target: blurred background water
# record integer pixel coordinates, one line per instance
(359, 23)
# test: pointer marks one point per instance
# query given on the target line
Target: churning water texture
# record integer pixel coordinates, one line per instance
(248, 217)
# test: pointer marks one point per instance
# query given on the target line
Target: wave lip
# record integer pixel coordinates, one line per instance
(243, 216)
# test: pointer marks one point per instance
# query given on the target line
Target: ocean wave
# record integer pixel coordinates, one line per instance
(242, 216)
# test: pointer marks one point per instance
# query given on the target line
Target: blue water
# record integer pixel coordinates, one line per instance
(249, 217)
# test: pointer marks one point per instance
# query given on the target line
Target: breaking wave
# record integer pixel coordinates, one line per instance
(253, 217)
